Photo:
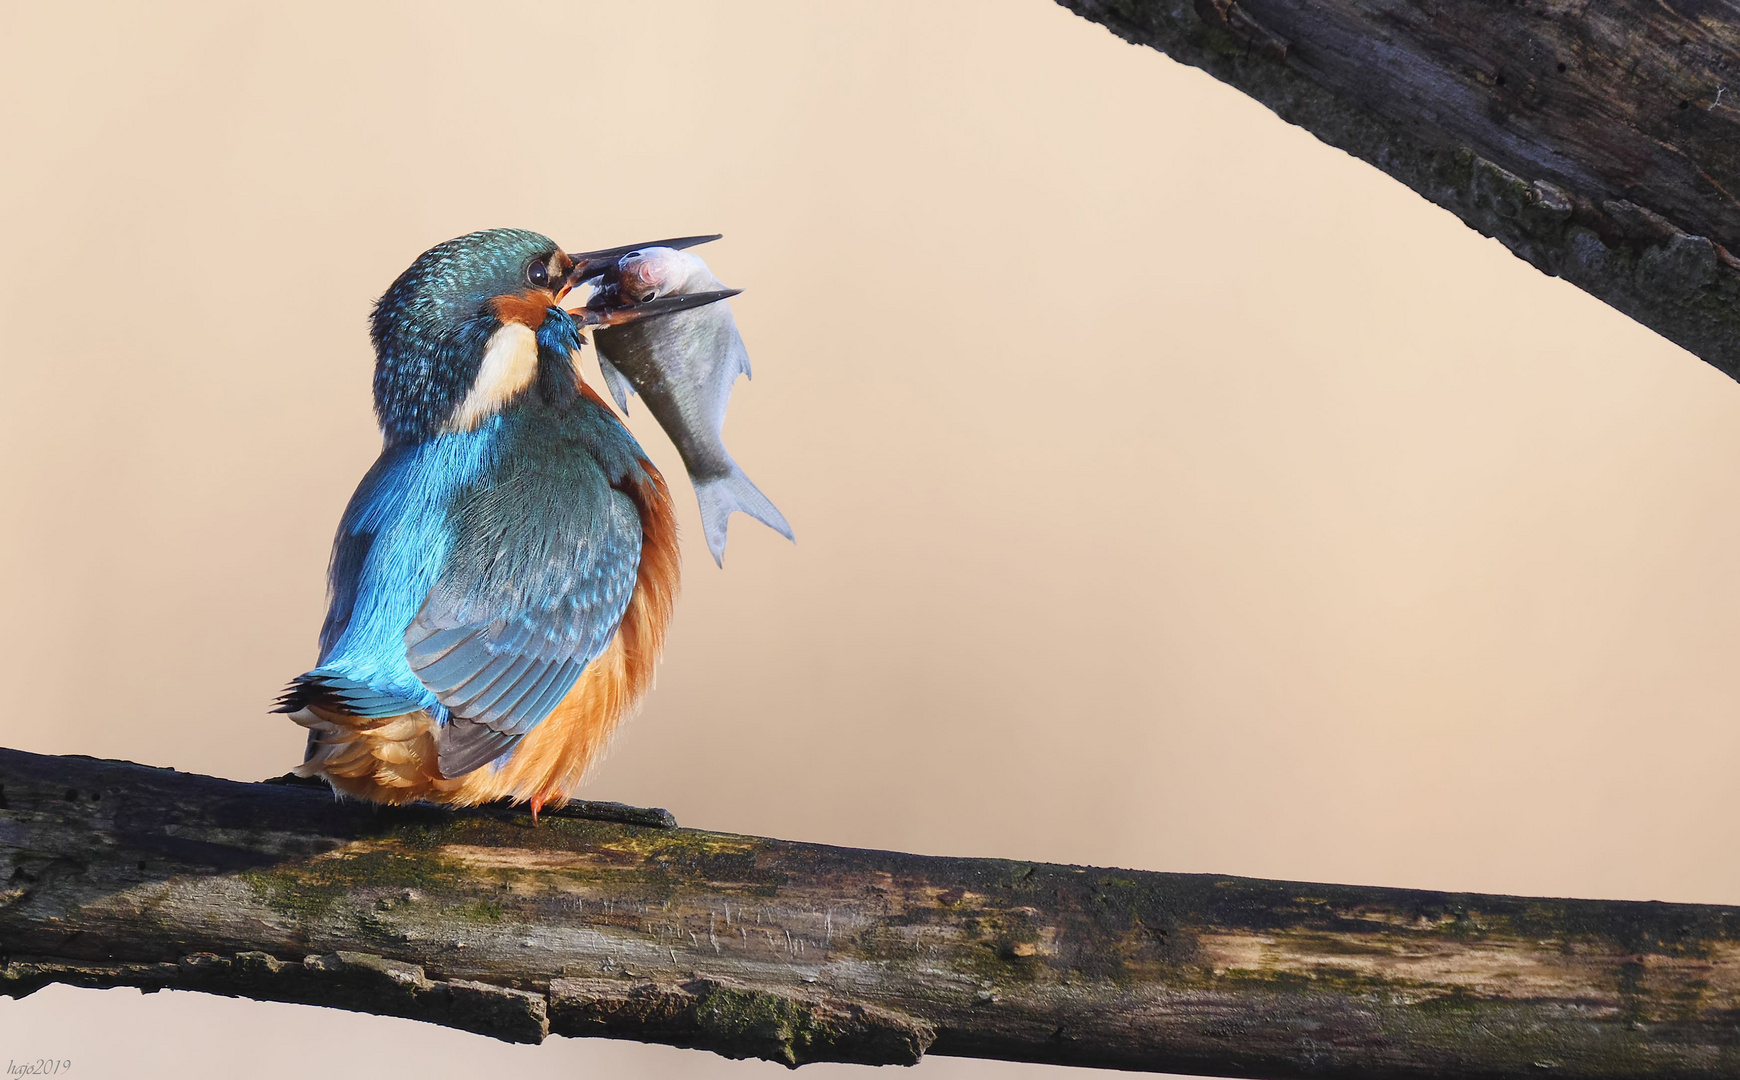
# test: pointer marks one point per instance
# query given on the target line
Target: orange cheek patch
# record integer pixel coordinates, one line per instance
(528, 308)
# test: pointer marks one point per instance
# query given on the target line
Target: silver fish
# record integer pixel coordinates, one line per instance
(684, 365)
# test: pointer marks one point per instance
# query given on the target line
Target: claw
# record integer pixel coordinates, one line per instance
(591, 264)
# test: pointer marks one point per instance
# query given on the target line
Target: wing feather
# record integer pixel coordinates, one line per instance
(541, 571)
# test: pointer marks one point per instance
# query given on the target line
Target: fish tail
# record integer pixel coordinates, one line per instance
(722, 496)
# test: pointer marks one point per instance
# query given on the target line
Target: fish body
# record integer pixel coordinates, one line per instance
(683, 366)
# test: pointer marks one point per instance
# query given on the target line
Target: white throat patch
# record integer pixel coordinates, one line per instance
(510, 363)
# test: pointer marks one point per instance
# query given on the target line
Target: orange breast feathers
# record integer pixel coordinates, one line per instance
(392, 760)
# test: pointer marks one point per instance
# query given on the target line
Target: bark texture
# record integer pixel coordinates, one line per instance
(114, 874)
(1600, 142)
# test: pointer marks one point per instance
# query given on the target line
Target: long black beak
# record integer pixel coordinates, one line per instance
(591, 264)
(664, 305)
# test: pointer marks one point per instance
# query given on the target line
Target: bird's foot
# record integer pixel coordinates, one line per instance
(649, 817)
(291, 779)
(537, 803)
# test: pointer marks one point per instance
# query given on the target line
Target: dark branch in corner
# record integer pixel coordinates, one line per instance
(114, 874)
(1599, 142)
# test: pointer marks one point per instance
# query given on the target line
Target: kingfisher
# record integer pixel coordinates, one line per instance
(503, 576)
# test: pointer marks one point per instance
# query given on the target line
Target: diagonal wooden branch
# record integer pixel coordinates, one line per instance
(114, 874)
(1600, 142)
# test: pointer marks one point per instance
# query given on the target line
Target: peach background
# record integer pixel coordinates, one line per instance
(1172, 491)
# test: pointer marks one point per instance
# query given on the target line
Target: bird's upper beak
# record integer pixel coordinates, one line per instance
(592, 264)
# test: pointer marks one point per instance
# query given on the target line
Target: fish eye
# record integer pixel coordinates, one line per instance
(538, 274)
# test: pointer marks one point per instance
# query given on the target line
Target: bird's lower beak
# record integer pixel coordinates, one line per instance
(618, 316)
(592, 264)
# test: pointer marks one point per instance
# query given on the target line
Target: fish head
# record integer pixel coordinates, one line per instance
(649, 273)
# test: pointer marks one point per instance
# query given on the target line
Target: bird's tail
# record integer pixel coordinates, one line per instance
(722, 496)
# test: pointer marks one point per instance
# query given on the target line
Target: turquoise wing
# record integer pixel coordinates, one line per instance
(542, 568)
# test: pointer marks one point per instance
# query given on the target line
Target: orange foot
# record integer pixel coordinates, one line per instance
(538, 801)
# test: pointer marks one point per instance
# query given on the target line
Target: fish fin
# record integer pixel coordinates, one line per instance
(733, 493)
(618, 384)
(743, 360)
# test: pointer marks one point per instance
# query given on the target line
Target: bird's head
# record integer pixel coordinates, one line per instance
(476, 322)
(458, 333)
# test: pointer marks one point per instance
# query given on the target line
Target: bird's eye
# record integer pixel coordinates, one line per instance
(538, 274)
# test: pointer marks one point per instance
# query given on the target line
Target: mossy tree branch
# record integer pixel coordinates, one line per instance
(114, 874)
(1600, 142)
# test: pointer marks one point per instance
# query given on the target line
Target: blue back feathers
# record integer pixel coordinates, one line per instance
(542, 565)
